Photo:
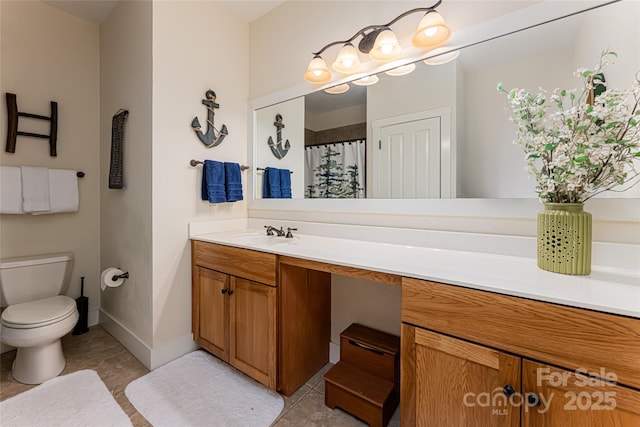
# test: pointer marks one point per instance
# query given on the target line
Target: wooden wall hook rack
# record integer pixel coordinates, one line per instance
(12, 125)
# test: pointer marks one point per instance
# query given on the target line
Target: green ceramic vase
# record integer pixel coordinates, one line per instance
(564, 239)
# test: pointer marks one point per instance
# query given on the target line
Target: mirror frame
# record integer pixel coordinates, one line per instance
(621, 211)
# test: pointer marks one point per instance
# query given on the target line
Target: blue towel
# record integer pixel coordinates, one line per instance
(213, 182)
(271, 184)
(233, 181)
(285, 183)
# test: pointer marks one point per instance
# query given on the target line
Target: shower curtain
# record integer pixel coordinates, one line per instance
(335, 171)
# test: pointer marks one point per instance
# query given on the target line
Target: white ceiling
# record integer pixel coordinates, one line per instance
(96, 11)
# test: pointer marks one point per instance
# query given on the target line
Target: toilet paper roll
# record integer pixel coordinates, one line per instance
(106, 279)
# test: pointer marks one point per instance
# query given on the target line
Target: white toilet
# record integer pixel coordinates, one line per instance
(37, 313)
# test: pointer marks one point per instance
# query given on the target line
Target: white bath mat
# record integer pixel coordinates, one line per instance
(200, 390)
(76, 399)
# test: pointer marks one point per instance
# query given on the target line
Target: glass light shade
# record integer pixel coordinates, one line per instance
(366, 81)
(336, 90)
(432, 31)
(386, 47)
(317, 71)
(347, 61)
(441, 59)
(401, 71)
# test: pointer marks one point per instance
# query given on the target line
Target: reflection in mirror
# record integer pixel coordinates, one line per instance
(442, 131)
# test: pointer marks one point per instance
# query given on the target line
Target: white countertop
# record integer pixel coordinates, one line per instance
(606, 289)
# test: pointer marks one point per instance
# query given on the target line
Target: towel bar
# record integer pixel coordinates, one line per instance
(195, 163)
(261, 169)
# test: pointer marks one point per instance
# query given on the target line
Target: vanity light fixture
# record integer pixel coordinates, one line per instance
(402, 70)
(441, 58)
(337, 90)
(380, 43)
(366, 81)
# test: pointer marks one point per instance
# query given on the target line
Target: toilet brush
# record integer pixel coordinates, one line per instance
(82, 303)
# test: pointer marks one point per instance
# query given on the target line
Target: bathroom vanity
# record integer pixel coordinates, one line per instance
(486, 339)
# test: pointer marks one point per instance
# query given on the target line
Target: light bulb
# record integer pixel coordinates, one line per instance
(317, 71)
(366, 81)
(430, 32)
(386, 47)
(337, 90)
(438, 57)
(347, 61)
(402, 70)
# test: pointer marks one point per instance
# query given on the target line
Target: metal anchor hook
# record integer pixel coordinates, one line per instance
(213, 136)
(277, 148)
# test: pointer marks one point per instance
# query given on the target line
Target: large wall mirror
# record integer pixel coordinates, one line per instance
(441, 131)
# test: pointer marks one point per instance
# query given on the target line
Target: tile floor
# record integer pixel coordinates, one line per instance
(99, 351)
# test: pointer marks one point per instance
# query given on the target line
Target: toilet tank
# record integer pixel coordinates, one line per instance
(35, 277)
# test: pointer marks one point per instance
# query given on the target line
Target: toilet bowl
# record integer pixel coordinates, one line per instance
(37, 313)
(35, 329)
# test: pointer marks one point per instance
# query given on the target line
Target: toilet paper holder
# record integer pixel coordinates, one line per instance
(120, 276)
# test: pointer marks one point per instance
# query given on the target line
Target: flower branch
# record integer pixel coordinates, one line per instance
(588, 144)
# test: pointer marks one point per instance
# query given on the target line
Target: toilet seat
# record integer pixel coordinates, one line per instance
(39, 313)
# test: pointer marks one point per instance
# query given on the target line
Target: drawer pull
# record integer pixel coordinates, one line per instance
(366, 347)
(508, 390)
(533, 400)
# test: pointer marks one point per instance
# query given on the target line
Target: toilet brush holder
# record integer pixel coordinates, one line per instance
(82, 303)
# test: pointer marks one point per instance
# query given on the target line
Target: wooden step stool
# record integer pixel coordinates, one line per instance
(366, 381)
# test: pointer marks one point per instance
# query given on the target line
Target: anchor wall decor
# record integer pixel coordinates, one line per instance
(213, 137)
(277, 148)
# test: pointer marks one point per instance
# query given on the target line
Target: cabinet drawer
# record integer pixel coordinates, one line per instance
(565, 336)
(245, 263)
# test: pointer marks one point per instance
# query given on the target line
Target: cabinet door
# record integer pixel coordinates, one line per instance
(563, 398)
(253, 330)
(213, 311)
(450, 382)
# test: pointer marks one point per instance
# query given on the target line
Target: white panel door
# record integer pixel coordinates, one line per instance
(407, 160)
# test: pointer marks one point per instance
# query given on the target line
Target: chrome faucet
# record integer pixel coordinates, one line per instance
(270, 230)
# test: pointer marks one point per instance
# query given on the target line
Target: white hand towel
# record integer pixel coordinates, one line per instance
(10, 190)
(35, 189)
(63, 191)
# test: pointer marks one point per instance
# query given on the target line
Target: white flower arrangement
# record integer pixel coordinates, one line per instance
(590, 144)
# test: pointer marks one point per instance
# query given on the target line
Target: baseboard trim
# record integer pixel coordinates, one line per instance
(167, 352)
(93, 317)
(127, 338)
(334, 352)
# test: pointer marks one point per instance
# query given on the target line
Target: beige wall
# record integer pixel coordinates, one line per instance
(196, 46)
(126, 234)
(49, 55)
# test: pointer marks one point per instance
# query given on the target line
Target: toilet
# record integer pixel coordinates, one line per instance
(36, 313)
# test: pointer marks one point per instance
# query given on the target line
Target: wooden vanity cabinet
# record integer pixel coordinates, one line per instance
(234, 311)
(464, 352)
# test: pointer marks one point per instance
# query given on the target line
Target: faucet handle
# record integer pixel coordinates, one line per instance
(289, 234)
(269, 230)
